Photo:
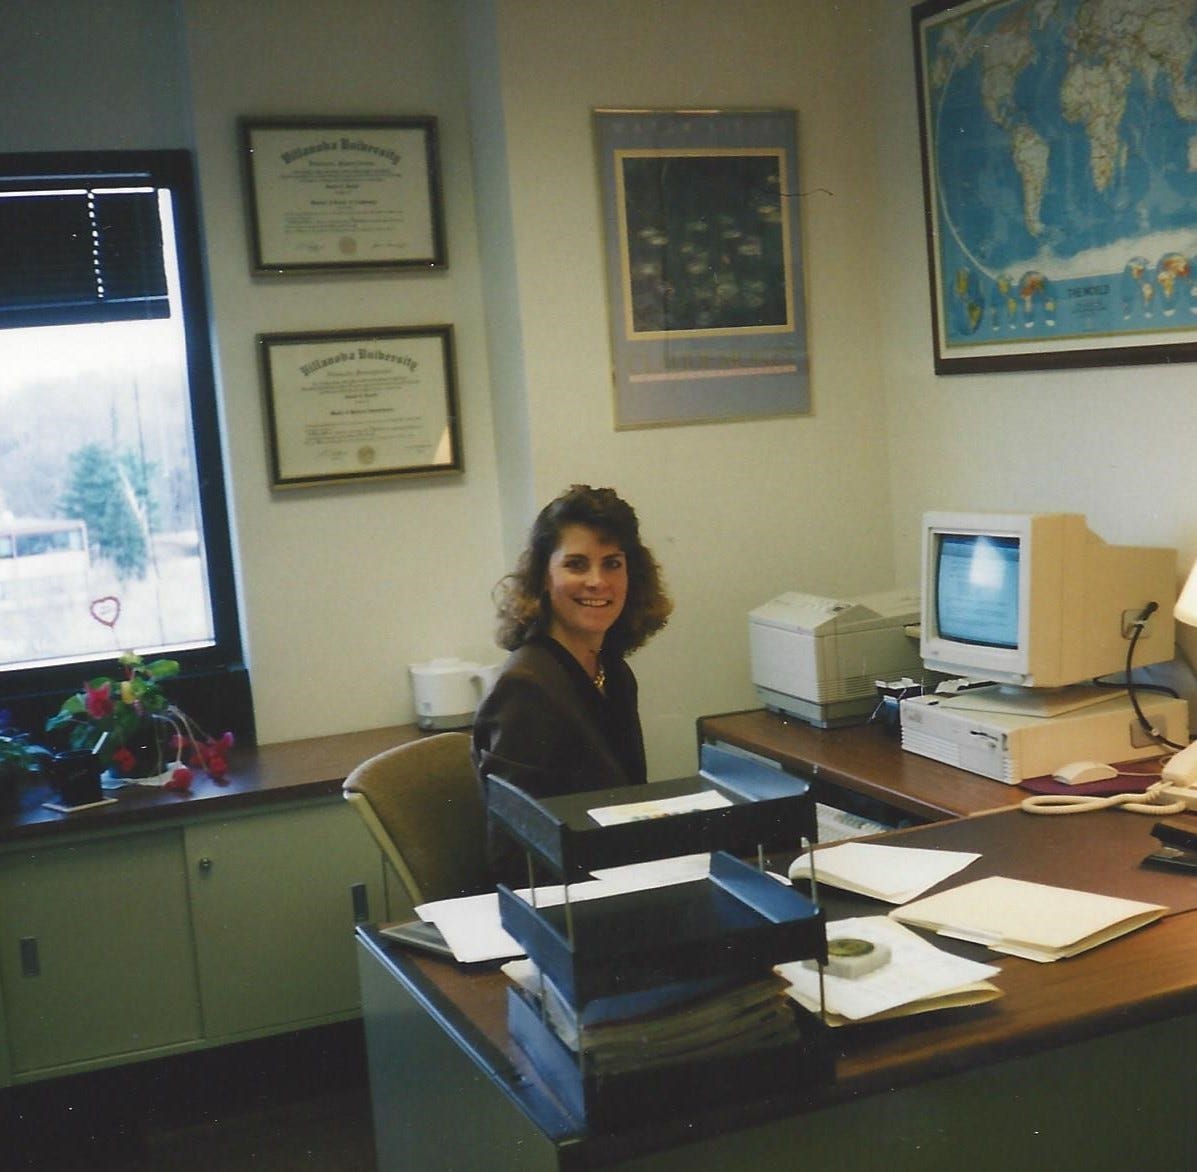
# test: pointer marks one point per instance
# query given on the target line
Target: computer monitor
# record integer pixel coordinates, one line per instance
(1037, 600)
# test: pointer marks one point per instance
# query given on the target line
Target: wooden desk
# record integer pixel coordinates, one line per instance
(865, 761)
(1085, 1063)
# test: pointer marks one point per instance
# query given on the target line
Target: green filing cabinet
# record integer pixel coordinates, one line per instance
(117, 946)
(274, 914)
(96, 956)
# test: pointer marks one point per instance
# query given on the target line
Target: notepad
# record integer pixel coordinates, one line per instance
(1030, 920)
(894, 874)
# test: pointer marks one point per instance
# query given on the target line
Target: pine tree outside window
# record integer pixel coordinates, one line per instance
(114, 532)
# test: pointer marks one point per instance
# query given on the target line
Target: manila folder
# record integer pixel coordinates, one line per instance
(1031, 920)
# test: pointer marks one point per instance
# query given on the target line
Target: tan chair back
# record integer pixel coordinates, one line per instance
(423, 804)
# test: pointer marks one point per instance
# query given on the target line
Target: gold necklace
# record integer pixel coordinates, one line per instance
(600, 677)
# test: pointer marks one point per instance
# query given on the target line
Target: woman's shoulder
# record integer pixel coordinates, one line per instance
(536, 657)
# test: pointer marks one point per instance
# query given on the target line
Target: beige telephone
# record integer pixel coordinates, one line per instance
(1180, 772)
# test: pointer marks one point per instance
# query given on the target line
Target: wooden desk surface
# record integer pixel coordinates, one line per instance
(1147, 976)
(285, 771)
(867, 759)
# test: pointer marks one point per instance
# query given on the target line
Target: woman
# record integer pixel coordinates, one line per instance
(562, 716)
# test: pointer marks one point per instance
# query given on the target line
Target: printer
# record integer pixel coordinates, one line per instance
(820, 659)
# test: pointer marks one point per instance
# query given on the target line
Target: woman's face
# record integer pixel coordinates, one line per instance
(587, 585)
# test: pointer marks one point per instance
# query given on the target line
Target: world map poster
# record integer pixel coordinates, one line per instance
(1060, 167)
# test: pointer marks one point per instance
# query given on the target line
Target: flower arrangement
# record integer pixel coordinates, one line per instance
(135, 729)
(19, 757)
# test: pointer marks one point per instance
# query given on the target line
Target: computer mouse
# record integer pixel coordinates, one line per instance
(1079, 772)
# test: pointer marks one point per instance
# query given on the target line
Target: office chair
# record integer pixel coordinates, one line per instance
(421, 801)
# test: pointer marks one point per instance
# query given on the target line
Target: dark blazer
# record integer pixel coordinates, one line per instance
(545, 727)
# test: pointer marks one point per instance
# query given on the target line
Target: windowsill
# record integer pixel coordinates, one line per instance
(282, 772)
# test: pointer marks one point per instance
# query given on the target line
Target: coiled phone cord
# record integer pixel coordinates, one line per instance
(1149, 802)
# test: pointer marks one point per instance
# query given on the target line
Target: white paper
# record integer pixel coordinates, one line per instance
(656, 873)
(894, 874)
(917, 971)
(472, 927)
(707, 799)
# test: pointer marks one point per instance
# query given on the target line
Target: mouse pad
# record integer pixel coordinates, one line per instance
(1125, 783)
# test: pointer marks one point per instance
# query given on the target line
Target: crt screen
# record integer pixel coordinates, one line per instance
(976, 589)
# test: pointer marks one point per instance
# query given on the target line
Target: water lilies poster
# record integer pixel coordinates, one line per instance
(704, 264)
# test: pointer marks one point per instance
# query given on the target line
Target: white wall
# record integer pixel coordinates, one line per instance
(344, 586)
(736, 512)
(92, 75)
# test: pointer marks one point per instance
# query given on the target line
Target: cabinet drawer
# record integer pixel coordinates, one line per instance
(96, 953)
(274, 915)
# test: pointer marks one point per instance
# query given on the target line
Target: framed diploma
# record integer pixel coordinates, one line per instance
(360, 404)
(343, 193)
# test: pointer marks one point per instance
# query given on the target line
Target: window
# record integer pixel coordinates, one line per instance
(114, 532)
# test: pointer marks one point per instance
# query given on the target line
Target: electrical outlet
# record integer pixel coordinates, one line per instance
(1129, 619)
(1140, 738)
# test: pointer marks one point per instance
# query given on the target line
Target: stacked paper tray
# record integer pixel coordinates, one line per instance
(737, 921)
(769, 809)
(686, 1084)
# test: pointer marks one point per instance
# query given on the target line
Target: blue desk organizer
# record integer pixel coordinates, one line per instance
(728, 928)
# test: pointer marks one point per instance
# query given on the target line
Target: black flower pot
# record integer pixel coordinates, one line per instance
(76, 776)
(10, 790)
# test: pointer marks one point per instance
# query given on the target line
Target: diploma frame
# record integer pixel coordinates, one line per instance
(360, 405)
(343, 194)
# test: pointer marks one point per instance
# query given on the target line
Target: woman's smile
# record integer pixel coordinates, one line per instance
(587, 585)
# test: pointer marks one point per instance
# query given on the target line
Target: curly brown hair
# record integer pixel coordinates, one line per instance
(521, 597)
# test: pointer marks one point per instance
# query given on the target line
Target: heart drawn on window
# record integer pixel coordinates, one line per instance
(106, 610)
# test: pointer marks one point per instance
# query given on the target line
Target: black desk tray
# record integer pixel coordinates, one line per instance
(770, 810)
(736, 921)
(610, 1101)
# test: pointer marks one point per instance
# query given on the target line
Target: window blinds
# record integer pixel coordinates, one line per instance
(75, 255)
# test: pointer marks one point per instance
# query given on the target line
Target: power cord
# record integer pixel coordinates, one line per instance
(1144, 723)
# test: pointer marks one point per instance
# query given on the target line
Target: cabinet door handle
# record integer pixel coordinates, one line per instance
(205, 865)
(30, 962)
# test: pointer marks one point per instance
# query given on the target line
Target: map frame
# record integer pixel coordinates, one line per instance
(1136, 344)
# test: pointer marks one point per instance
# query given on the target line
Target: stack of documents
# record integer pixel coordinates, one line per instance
(1031, 920)
(917, 978)
(673, 1023)
(894, 874)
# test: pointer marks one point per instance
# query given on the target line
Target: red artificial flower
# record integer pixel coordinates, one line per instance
(179, 780)
(124, 760)
(98, 701)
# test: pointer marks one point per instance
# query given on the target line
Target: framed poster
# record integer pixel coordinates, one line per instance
(343, 193)
(704, 264)
(355, 405)
(1060, 182)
